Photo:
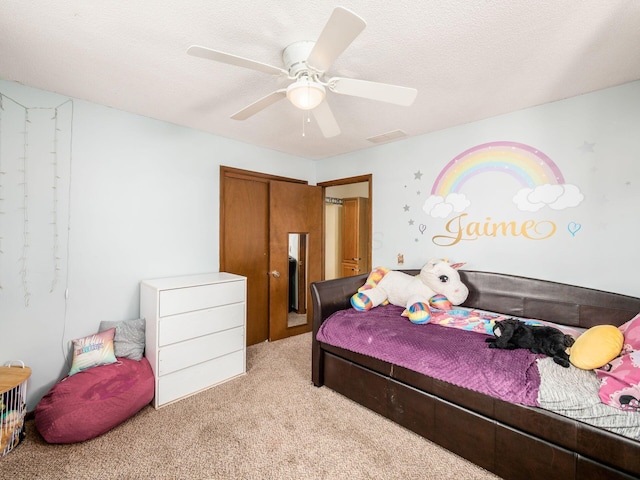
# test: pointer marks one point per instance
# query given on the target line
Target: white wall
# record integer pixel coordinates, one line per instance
(593, 139)
(140, 198)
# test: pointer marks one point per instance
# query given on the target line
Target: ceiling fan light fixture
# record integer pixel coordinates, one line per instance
(306, 94)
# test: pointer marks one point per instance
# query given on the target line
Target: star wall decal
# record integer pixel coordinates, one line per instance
(411, 222)
(406, 208)
(417, 175)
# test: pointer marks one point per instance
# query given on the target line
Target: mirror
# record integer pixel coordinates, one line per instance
(298, 254)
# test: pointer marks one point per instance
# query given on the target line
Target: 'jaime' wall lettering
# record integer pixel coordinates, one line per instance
(540, 185)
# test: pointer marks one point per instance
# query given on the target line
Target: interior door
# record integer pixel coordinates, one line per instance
(244, 246)
(297, 209)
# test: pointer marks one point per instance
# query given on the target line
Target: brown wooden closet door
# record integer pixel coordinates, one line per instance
(257, 212)
(245, 244)
(294, 208)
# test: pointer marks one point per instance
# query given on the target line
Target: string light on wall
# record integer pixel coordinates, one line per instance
(25, 210)
(32, 138)
(54, 211)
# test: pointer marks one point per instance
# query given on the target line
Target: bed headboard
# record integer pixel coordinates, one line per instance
(545, 300)
(508, 294)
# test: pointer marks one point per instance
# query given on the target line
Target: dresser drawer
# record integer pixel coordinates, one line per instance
(177, 328)
(198, 377)
(197, 350)
(181, 300)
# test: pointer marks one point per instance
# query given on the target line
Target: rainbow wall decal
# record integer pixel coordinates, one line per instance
(529, 166)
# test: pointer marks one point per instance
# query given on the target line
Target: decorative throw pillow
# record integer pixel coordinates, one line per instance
(129, 338)
(596, 347)
(631, 332)
(92, 351)
(620, 382)
(620, 379)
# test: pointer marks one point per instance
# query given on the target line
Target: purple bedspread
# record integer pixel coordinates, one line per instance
(456, 356)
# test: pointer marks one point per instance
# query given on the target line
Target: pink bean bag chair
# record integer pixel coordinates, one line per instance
(93, 401)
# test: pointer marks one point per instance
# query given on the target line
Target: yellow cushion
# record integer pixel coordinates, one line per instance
(596, 347)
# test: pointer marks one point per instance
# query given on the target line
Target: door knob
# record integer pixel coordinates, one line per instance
(276, 274)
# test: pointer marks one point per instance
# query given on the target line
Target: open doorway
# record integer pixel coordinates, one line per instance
(347, 221)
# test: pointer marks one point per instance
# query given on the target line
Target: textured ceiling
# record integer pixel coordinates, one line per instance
(468, 59)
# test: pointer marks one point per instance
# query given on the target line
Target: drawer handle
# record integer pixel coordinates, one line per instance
(276, 274)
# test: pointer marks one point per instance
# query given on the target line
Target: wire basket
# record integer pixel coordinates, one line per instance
(13, 404)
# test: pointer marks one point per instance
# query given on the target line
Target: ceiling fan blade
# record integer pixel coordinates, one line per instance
(373, 90)
(326, 121)
(259, 105)
(341, 29)
(230, 59)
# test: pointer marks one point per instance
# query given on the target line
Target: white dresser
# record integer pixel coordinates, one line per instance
(195, 332)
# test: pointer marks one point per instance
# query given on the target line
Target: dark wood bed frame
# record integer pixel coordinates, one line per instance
(513, 441)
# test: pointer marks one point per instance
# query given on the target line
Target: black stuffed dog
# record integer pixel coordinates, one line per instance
(512, 333)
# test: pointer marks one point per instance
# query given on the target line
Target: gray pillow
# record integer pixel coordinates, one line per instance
(128, 341)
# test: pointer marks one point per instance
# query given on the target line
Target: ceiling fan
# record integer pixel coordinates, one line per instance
(306, 63)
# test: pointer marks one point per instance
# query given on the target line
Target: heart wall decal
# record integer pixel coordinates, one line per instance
(573, 228)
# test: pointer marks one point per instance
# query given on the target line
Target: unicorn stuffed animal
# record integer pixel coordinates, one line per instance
(438, 285)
